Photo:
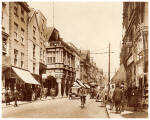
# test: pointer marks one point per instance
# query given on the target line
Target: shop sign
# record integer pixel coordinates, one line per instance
(130, 60)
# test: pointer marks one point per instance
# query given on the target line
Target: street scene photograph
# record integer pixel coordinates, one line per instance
(74, 59)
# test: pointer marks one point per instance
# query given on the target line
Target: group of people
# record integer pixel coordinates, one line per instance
(121, 97)
(26, 94)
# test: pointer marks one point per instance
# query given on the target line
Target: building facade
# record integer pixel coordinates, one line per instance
(36, 44)
(60, 63)
(134, 54)
(5, 42)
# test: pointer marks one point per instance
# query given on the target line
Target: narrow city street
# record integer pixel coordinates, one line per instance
(57, 108)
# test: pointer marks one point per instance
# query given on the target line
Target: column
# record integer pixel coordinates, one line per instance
(65, 89)
(59, 87)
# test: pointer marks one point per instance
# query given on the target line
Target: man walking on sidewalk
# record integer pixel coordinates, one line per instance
(117, 97)
(111, 92)
(16, 97)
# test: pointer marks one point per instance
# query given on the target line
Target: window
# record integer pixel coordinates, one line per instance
(22, 11)
(4, 45)
(34, 65)
(40, 53)
(15, 57)
(22, 39)
(22, 19)
(34, 50)
(22, 60)
(22, 31)
(15, 31)
(49, 60)
(22, 35)
(34, 38)
(16, 10)
(34, 30)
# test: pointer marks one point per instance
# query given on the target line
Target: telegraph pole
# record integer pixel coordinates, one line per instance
(109, 70)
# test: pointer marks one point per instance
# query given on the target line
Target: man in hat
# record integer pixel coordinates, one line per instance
(117, 97)
(82, 94)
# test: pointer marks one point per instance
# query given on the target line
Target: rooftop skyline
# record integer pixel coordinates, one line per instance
(76, 22)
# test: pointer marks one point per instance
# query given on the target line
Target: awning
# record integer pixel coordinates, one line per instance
(25, 76)
(75, 84)
(80, 83)
(86, 85)
(92, 84)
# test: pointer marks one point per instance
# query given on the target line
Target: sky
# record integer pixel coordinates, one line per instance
(88, 25)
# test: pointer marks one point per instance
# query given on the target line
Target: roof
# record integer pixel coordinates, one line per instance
(31, 13)
(84, 54)
(49, 31)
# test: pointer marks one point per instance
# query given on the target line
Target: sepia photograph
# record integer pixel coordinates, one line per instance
(74, 59)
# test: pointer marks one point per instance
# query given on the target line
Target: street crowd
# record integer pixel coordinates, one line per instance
(26, 94)
(120, 97)
(117, 96)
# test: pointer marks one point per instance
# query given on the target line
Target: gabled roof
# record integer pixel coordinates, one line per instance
(31, 14)
(49, 31)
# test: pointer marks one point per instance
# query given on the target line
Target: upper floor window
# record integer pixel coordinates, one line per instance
(22, 19)
(15, 57)
(4, 45)
(22, 60)
(15, 31)
(34, 65)
(16, 10)
(34, 46)
(22, 11)
(40, 52)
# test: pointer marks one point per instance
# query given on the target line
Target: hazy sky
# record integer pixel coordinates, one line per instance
(88, 25)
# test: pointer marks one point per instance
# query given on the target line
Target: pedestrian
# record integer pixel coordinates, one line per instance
(111, 92)
(129, 90)
(7, 97)
(52, 91)
(82, 94)
(16, 94)
(134, 98)
(117, 97)
(124, 98)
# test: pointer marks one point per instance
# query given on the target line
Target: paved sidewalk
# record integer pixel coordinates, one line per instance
(126, 113)
(3, 105)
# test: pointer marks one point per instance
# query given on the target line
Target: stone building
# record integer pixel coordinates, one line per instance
(134, 53)
(36, 44)
(15, 48)
(5, 42)
(85, 66)
(60, 63)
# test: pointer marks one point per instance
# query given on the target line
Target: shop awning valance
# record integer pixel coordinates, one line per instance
(25, 76)
(80, 83)
(86, 85)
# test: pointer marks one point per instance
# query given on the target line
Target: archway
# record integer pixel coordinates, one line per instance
(51, 83)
